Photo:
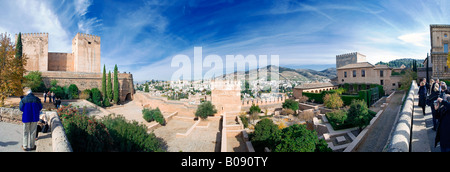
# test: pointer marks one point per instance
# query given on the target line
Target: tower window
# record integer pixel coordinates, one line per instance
(89, 42)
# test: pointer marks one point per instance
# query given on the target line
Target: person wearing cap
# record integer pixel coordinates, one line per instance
(31, 107)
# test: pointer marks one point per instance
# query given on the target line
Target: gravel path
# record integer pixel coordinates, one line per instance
(379, 135)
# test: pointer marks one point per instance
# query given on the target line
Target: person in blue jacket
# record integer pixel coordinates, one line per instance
(31, 107)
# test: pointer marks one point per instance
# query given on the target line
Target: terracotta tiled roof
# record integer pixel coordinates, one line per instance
(314, 85)
(357, 65)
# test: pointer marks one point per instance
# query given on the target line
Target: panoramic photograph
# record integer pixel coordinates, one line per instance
(224, 76)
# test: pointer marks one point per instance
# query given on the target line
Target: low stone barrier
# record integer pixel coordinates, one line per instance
(10, 115)
(60, 143)
(401, 138)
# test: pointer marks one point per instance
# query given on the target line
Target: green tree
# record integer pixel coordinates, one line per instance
(333, 101)
(255, 109)
(116, 85)
(205, 109)
(19, 46)
(290, 104)
(146, 89)
(34, 81)
(296, 138)
(96, 96)
(73, 91)
(11, 69)
(109, 87)
(264, 135)
(104, 84)
(358, 114)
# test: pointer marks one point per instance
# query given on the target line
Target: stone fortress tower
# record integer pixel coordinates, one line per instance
(349, 58)
(85, 56)
(226, 95)
(35, 46)
(81, 67)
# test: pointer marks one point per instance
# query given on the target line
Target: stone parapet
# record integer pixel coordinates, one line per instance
(401, 137)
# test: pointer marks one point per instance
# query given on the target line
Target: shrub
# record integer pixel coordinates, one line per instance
(358, 114)
(333, 101)
(131, 136)
(265, 130)
(96, 96)
(290, 104)
(296, 138)
(205, 109)
(85, 134)
(73, 92)
(244, 120)
(150, 115)
(255, 109)
(111, 133)
(85, 94)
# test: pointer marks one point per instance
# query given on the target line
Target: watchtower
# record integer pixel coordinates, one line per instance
(35, 46)
(86, 53)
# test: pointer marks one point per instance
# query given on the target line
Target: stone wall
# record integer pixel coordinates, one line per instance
(10, 115)
(60, 62)
(90, 80)
(183, 108)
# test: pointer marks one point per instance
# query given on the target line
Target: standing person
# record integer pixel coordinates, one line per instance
(53, 96)
(45, 96)
(31, 107)
(58, 102)
(430, 87)
(49, 97)
(422, 96)
(443, 132)
(434, 96)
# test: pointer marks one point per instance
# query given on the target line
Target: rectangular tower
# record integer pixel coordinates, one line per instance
(35, 47)
(86, 53)
(439, 50)
(350, 58)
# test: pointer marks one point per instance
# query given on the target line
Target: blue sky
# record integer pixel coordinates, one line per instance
(142, 36)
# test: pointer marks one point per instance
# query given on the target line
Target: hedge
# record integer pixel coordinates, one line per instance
(365, 94)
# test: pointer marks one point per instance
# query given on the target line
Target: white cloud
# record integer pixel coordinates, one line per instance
(81, 6)
(35, 17)
(417, 39)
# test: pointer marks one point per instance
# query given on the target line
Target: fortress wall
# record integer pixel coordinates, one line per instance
(60, 62)
(183, 108)
(89, 81)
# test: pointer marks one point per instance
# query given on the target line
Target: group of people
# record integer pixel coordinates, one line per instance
(437, 95)
(51, 97)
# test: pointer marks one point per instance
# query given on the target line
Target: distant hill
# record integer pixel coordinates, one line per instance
(304, 75)
(399, 62)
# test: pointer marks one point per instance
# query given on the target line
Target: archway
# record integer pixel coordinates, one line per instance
(128, 97)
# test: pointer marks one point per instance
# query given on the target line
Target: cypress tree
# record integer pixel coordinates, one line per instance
(116, 85)
(19, 46)
(104, 83)
(109, 87)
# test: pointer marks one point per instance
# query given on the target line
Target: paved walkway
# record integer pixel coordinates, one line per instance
(10, 137)
(378, 136)
(422, 134)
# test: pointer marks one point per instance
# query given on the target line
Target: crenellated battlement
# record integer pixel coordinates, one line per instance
(34, 35)
(88, 36)
(347, 54)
